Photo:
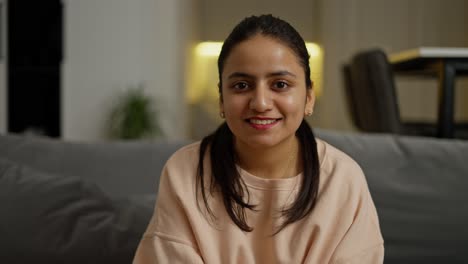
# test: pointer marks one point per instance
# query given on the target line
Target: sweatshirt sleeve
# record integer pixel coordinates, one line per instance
(154, 249)
(363, 242)
(372, 255)
(169, 236)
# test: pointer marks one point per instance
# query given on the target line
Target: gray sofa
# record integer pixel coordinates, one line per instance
(69, 202)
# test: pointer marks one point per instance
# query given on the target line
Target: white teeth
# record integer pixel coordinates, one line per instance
(262, 122)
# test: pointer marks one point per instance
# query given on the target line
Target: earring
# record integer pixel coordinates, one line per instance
(221, 114)
(309, 113)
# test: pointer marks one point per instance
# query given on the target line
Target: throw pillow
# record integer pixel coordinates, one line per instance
(51, 219)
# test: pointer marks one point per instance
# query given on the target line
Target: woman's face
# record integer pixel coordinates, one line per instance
(264, 95)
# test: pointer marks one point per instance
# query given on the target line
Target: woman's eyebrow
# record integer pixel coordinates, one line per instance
(282, 73)
(246, 75)
(240, 74)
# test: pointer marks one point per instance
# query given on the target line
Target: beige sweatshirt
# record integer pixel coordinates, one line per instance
(343, 227)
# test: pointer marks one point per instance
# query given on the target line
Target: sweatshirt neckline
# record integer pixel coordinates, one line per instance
(269, 184)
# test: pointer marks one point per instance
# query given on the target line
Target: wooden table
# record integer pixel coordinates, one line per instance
(446, 64)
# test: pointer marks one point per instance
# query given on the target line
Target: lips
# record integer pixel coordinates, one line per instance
(262, 123)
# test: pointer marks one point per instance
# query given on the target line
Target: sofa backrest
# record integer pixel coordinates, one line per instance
(121, 169)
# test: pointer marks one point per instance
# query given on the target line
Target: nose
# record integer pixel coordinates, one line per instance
(261, 100)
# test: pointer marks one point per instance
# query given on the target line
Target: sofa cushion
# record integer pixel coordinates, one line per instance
(51, 219)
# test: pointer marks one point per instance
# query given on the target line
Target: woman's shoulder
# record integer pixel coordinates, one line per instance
(331, 156)
(181, 167)
(186, 153)
(337, 166)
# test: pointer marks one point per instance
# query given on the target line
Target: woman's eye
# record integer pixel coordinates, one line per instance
(281, 85)
(241, 86)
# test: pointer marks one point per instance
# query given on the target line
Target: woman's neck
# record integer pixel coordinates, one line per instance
(277, 162)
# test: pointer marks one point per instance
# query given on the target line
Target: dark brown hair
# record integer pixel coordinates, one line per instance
(225, 176)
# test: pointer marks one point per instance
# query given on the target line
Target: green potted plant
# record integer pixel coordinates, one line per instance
(133, 116)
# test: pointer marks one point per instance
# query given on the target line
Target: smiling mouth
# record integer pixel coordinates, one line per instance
(262, 121)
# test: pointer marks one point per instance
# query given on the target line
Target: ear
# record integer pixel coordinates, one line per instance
(310, 101)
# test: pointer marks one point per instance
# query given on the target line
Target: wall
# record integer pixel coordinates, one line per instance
(219, 17)
(345, 27)
(111, 45)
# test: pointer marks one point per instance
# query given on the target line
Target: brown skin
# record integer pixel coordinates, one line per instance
(263, 78)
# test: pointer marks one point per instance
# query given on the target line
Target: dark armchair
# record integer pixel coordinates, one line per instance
(372, 97)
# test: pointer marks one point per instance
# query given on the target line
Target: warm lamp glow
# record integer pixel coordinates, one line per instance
(315, 62)
(313, 49)
(209, 49)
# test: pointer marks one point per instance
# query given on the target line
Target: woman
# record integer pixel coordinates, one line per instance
(261, 188)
